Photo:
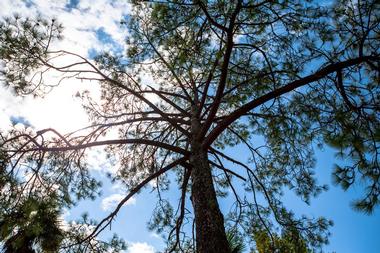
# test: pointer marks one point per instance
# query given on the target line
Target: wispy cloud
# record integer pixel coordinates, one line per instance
(155, 235)
(110, 202)
(140, 247)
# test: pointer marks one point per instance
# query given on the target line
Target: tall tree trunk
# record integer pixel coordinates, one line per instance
(209, 222)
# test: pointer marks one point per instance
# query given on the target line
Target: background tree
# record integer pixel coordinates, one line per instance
(35, 223)
(289, 241)
(31, 220)
(276, 77)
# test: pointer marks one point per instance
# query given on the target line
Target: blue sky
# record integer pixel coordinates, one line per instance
(92, 26)
(352, 232)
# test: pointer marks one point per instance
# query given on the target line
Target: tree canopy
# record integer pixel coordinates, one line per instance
(277, 79)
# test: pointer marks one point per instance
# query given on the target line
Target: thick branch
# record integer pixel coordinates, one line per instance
(109, 142)
(224, 71)
(278, 92)
(209, 18)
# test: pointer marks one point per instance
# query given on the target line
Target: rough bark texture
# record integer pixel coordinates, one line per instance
(209, 222)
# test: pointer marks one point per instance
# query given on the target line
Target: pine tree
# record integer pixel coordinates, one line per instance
(275, 77)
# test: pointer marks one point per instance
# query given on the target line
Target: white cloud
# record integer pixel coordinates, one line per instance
(59, 109)
(5, 102)
(98, 160)
(140, 247)
(113, 200)
(155, 235)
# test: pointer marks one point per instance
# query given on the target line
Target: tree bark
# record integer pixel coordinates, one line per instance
(209, 221)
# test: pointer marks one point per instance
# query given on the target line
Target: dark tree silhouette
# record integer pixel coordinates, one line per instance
(278, 78)
(35, 222)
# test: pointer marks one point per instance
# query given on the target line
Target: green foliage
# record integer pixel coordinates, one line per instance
(24, 45)
(289, 241)
(235, 241)
(31, 221)
(162, 216)
(33, 224)
(76, 239)
(276, 78)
